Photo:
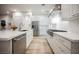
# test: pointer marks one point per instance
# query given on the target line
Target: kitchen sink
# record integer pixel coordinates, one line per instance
(50, 31)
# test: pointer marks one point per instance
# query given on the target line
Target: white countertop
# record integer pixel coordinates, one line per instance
(9, 34)
(70, 36)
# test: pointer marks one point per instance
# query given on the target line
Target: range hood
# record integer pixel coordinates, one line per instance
(56, 8)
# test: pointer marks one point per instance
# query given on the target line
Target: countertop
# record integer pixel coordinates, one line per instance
(9, 34)
(70, 36)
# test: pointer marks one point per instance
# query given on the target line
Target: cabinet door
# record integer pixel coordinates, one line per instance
(6, 47)
(51, 42)
(63, 10)
(66, 10)
(55, 47)
(75, 9)
(58, 45)
(70, 10)
(77, 6)
(19, 44)
(29, 37)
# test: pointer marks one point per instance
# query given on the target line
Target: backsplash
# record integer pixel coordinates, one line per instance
(60, 24)
(70, 26)
(63, 25)
(7, 19)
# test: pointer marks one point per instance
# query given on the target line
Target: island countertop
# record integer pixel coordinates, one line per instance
(9, 34)
(69, 36)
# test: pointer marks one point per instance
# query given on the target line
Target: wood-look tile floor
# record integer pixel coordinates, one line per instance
(39, 45)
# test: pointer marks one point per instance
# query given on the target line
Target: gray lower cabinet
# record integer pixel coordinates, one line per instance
(6, 47)
(61, 45)
(16, 45)
(19, 44)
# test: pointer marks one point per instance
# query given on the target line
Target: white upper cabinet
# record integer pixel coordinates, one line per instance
(66, 10)
(75, 9)
(69, 11)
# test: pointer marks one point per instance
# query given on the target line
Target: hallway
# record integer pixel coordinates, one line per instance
(39, 45)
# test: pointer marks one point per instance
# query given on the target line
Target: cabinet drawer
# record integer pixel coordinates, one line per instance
(60, 48)
(63, 41)
(63, 49)
(55, 47)
(49, 39)
(19, 45)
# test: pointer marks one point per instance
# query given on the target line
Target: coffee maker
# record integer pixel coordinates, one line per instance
(3, 24)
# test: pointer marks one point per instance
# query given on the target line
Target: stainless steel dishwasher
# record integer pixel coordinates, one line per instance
(19, 44)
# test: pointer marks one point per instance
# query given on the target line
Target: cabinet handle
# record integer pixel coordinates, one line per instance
(19, 38)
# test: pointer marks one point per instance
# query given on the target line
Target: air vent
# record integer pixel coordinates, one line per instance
(42, 4)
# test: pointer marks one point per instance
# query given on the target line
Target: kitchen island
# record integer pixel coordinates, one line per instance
(12, 41)
(64, 43)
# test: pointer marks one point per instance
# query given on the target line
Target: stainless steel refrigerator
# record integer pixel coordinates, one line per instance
(35, 26)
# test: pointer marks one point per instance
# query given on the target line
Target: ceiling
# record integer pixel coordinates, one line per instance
(36, 9)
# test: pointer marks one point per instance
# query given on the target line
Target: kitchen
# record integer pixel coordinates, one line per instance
(21, 24)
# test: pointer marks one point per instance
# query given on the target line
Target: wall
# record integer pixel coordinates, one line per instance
(22, 21)
(7, 19)
(19, 20)
(58, 23)
(70, 26)
(63, 25)
(43, 23)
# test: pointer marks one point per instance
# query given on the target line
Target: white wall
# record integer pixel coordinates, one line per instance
(63, 25)
(70, 26)
(43, 23)
(22, 21)
(7, 19)
(58, 23)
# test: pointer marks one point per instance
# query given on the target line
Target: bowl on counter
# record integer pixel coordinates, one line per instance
(13, 28)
